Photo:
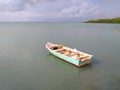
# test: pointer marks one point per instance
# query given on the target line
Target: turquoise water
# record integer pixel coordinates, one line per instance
(25, 64)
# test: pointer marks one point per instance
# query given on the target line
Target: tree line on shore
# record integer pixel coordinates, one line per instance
(113, 20)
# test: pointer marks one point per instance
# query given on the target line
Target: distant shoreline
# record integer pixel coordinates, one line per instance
(113, 20)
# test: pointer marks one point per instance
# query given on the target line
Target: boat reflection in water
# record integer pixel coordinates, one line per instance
(68, 66)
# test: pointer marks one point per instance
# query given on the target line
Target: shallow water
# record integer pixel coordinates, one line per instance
(25, 64)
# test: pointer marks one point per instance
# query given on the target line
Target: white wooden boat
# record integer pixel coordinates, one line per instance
(70, 55)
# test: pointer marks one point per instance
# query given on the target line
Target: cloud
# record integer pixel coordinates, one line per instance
(40, 10)
(16, 5)
(49, 10)
(11, 5)
(19, 16)
(82, 10)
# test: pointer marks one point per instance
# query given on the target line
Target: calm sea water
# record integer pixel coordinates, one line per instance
(25, 64)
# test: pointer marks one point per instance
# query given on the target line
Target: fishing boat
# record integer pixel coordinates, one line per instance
(68, 54)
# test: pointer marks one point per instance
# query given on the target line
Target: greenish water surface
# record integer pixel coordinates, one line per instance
(25, 64)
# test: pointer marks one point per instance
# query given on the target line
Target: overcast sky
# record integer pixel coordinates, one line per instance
(57, 10)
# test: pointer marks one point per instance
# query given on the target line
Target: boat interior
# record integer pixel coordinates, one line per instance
(69, 52)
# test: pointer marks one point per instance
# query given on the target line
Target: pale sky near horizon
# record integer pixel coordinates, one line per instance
(57, 10)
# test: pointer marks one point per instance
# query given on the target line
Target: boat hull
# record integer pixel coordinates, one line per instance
(69, 59)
